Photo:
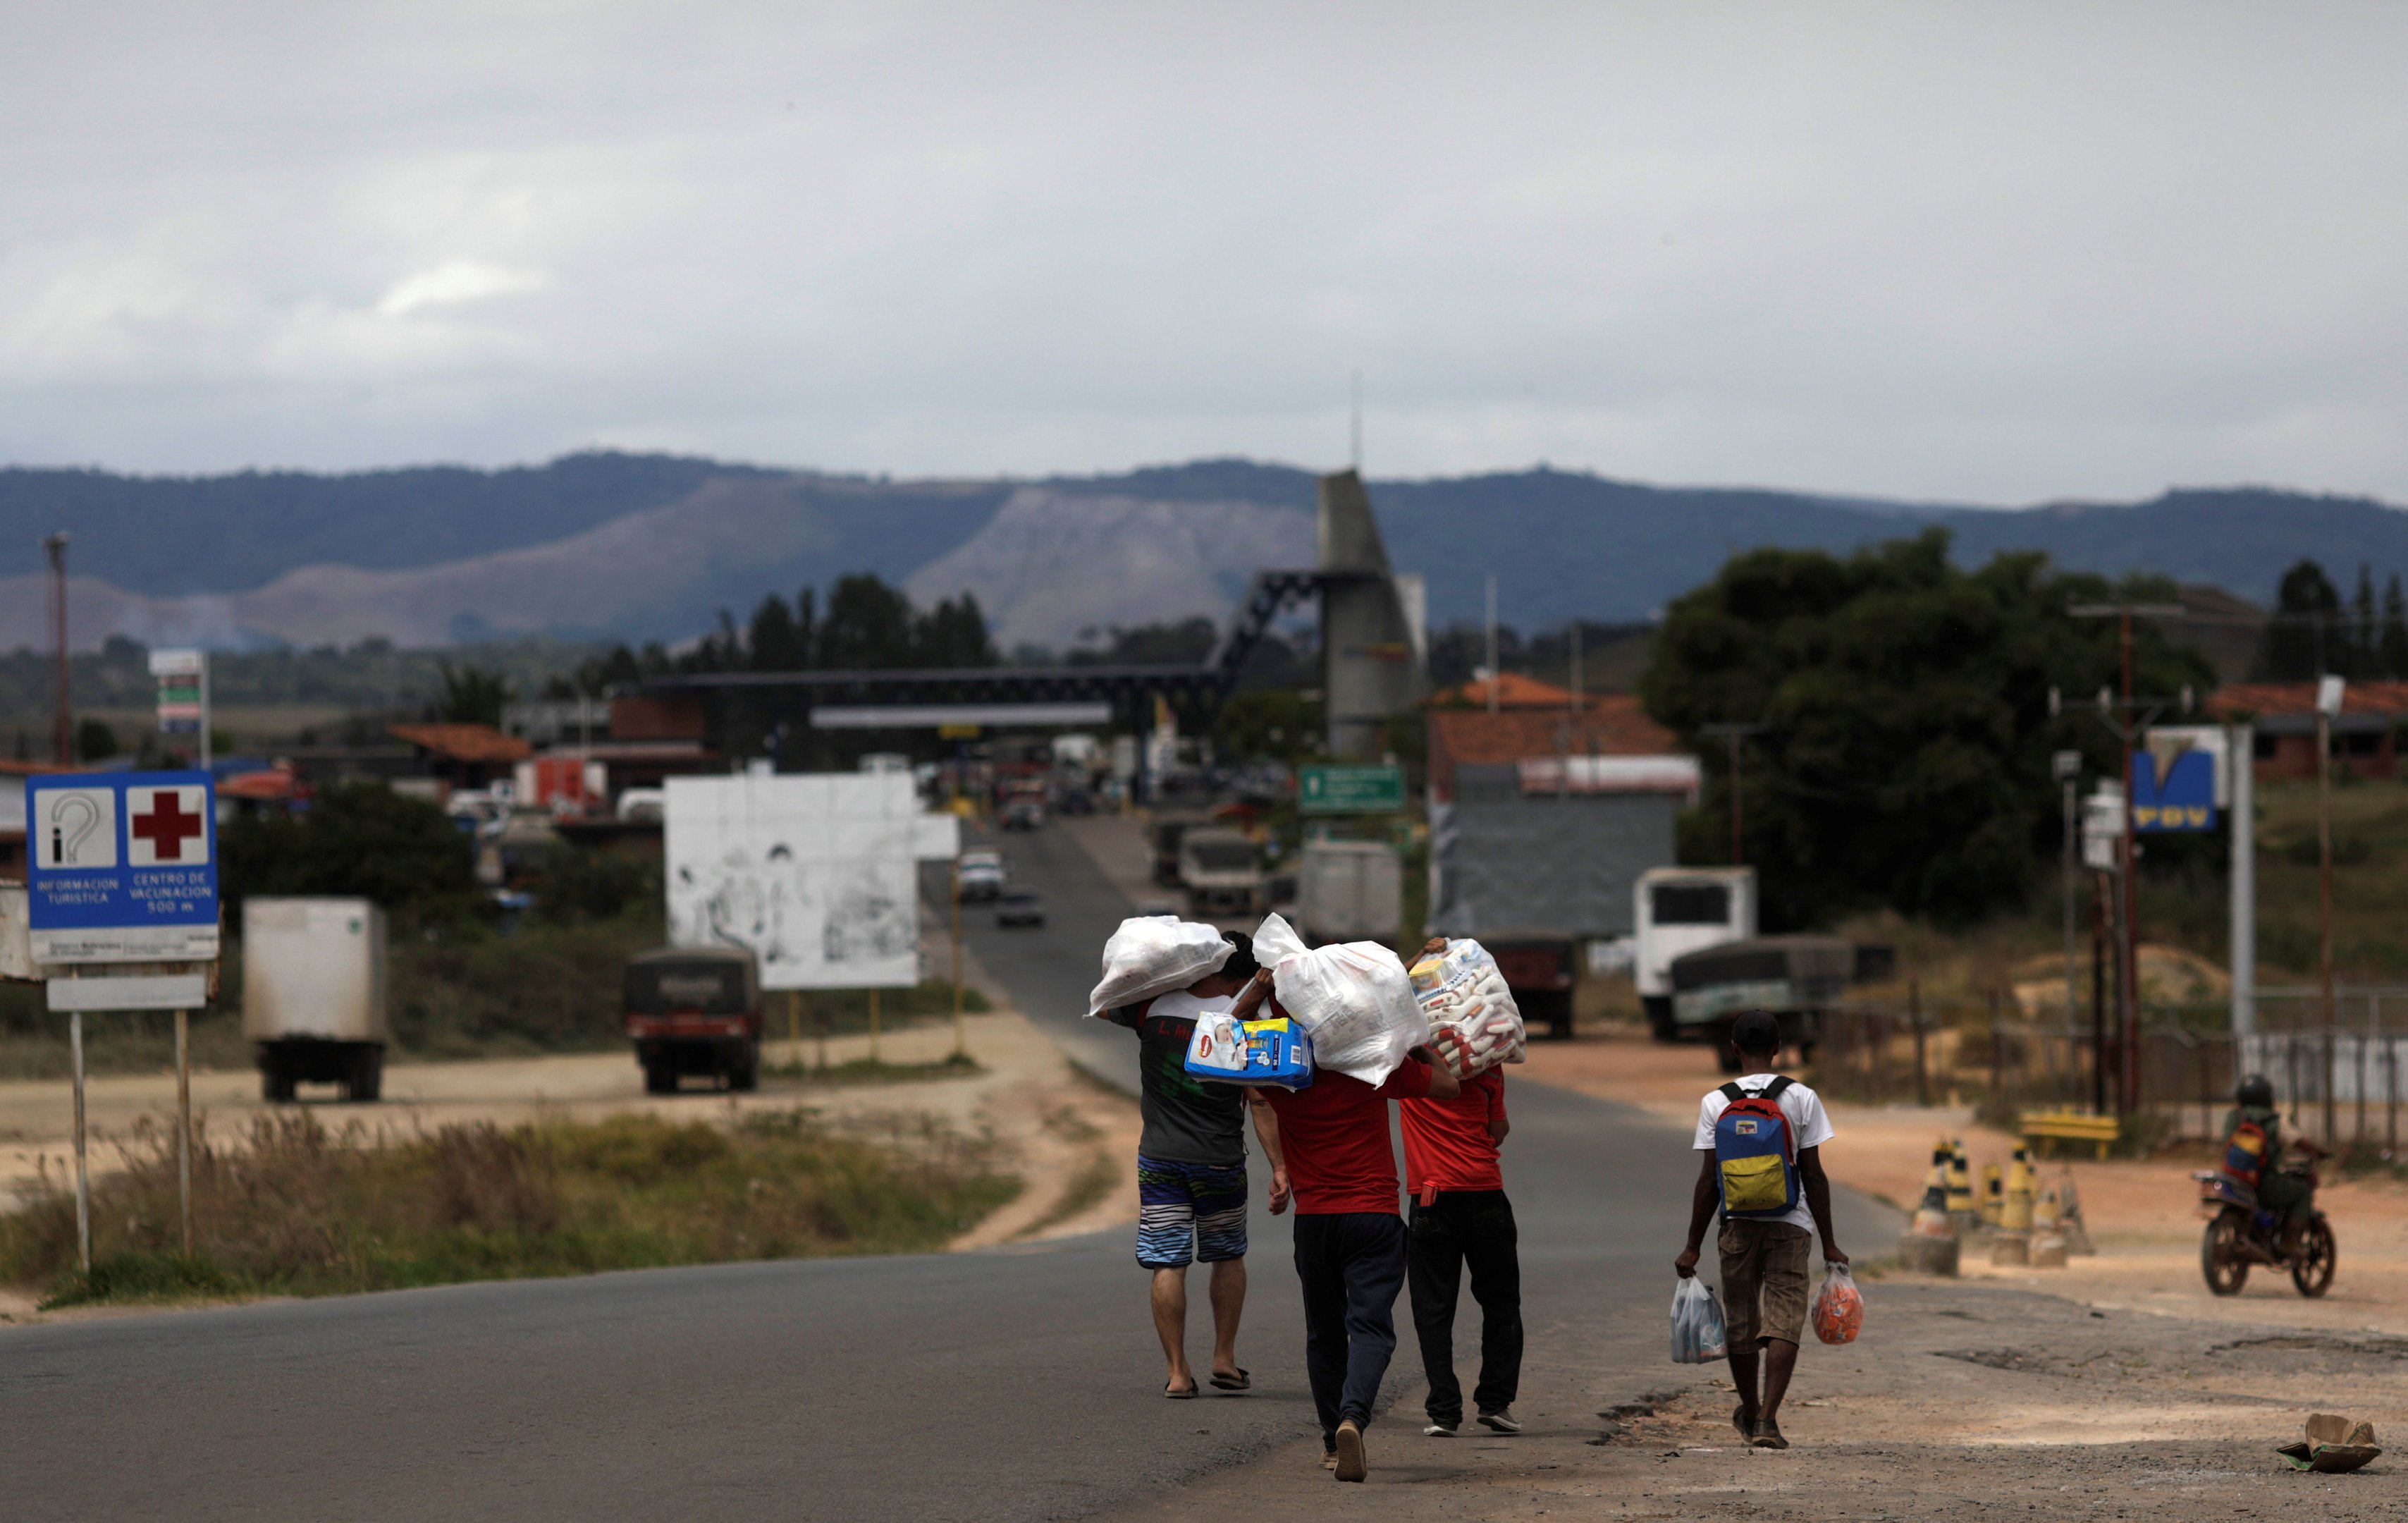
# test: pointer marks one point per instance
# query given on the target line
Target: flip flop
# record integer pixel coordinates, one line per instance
(1241, 1381)
(1188, 1395)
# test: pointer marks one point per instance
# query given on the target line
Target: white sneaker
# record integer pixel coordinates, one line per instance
(1438, 1431)
(1501, 1421)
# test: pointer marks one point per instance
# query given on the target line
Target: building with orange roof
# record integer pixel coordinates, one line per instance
(464, 756)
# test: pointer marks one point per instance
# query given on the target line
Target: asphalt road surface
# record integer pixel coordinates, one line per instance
(992, 1385)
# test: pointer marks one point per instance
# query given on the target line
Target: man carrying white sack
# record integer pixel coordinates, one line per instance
(1350, 1246)
(1191, 1172)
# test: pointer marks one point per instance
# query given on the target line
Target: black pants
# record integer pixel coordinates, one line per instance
(1352, 1265)
(1460, 1228)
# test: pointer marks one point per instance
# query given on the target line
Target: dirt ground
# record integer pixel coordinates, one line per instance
(2142, 1214)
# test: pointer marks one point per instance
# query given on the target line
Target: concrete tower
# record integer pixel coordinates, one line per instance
(1371, 637)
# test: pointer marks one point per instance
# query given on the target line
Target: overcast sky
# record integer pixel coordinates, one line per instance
(1981, 254)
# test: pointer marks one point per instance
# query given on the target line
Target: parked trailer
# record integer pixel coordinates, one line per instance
(1796, 978)
(1351, 891)
(695, 1010)
(314, 994)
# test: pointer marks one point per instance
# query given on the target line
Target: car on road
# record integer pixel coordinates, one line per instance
(1020, 907)
(981, 876)
(1023, 814)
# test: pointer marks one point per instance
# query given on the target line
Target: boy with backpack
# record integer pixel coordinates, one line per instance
(1761, 1136)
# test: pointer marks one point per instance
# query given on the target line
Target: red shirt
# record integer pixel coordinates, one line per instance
(1447, 1146)
(1334, 1139)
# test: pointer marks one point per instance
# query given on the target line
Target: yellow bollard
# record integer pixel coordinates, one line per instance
(2021, 1182)
(1994, 1200)
(1930, 1243)
(1961, 1209)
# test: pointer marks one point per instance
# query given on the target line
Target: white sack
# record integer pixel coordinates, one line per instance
(1354, 999)
(1151, 955)
(1697, 1323)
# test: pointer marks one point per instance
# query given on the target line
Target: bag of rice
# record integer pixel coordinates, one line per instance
(1151, 955)
(1353, 997)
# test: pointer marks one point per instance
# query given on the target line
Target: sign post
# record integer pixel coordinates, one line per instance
(1369, 788)
(121, 911)
(183, 677)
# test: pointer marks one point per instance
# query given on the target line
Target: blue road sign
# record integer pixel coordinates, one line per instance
(122, 867)
(2182, 798)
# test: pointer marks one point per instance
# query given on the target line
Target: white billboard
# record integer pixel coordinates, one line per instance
(814, 871)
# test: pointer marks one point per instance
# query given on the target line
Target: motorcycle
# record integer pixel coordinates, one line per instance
(2240, 1234)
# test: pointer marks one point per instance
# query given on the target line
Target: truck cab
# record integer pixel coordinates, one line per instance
(1222, 870)
(695, 1010)
(1679, 910)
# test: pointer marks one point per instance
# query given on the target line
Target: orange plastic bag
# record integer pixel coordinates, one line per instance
(1839, 1306)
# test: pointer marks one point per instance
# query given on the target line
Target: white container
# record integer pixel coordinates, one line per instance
(1351, 891)
(1684, 910)
(313, 970)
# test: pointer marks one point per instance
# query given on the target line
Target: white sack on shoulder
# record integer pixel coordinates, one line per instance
(1153, 954)
(1354, 998)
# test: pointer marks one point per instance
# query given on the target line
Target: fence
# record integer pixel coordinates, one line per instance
(2342, 1084)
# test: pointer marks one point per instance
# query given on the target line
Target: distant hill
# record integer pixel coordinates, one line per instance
(650, 546)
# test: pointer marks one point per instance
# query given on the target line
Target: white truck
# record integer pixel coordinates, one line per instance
(1351, 891)
(314, 994)
(1684, 910)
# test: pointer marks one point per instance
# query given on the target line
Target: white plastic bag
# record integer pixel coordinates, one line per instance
(1697, 1322)
(1474, 1023)
(1353, 997)
(1151, 955)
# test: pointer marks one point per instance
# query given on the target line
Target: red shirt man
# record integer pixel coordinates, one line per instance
(1350, 1246)
(1461, 1217)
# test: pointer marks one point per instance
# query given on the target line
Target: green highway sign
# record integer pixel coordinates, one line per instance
(1373, 788)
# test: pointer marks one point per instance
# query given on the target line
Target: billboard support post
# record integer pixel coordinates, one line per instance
(184, 1128)
(961, 1047)
(83, 1177)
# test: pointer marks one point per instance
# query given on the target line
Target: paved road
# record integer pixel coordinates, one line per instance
(1001, 1385)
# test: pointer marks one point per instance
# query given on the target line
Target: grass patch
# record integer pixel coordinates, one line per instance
(863, 1071)
(293, 1208)
(1094, 1180)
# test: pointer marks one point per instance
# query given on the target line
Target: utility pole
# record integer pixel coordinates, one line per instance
(1579, 697)
(62, 739)
(2127, 962)
(1734, 734)
(1492, 642)
(2330, 693)
(2068, 765)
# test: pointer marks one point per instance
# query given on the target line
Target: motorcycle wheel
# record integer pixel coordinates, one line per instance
(2313, 1271)
(2220, 1257)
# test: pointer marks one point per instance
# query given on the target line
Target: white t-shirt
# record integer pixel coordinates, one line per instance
(1809, 1126)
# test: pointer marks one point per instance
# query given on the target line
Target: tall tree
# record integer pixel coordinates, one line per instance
(869, 626)
(775, 641)
(1905, 760)
(955, 634)
(2366, 642)
(2297, 644)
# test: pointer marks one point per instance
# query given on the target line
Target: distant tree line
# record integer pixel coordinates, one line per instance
(2312, 634)
(866, 626)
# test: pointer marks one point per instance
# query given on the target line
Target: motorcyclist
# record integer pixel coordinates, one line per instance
(2287, 1194)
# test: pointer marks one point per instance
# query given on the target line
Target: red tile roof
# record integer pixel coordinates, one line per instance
(464, 742)
(1612, 725)
(2236, 700)
(1513, 691)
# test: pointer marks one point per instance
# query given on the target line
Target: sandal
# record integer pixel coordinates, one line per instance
(1744, 1420)
(1241, 1381)
(1188, 1395)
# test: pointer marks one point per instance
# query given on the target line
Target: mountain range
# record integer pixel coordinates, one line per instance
(628, 546)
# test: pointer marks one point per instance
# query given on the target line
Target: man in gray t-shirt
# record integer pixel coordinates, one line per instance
(1191, 1172)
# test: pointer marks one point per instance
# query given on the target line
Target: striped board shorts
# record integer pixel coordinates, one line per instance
(1189, 1211)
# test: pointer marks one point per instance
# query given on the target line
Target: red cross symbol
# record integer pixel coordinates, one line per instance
(166, 828)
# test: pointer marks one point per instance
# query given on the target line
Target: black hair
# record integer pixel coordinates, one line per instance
(1242, 964)
(1756, 1031)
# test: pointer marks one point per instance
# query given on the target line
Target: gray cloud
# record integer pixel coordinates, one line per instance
(1988, 256)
